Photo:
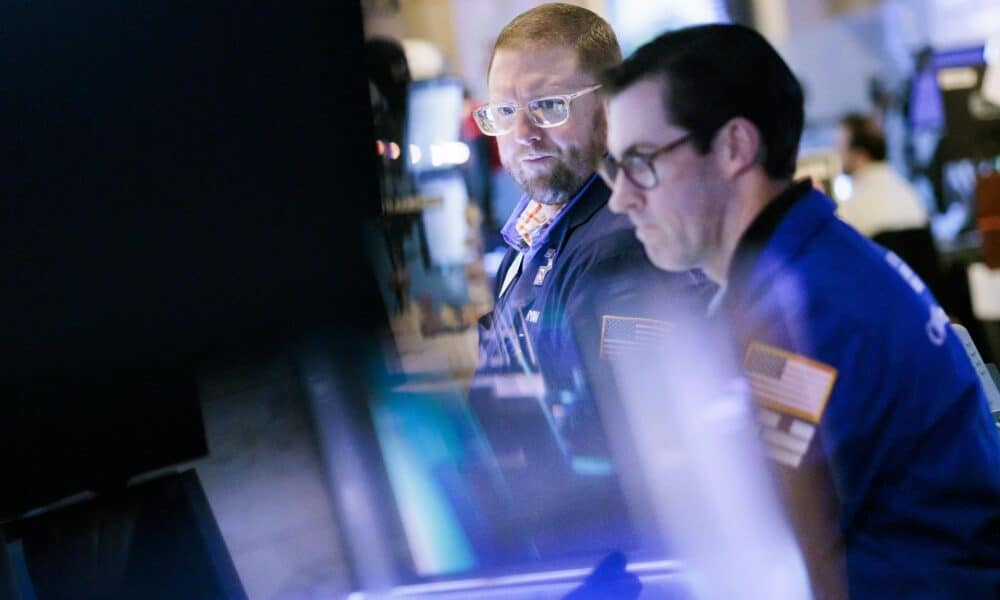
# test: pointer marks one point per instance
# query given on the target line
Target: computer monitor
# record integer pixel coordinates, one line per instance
(433, 121)
(157, 540)
(182, 182)
(946, 94)
(451, 486)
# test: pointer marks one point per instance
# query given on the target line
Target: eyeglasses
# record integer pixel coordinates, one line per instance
(550, 111)
(637, 166)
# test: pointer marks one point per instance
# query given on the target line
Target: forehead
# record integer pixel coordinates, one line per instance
(637, 117)
(535, 70)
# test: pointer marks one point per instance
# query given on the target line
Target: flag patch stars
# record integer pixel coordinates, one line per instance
(624, 335)
(791, 391)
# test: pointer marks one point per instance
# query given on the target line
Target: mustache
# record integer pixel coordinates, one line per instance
(537, 152)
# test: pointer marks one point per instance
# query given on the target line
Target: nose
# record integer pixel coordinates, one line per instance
(526, 132)
(623, 197)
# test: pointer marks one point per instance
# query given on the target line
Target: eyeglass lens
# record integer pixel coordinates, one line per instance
(636, 168)
(545, 112)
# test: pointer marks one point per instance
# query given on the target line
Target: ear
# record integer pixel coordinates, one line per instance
(739, 146)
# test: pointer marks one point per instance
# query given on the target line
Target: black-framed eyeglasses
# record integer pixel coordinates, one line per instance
(550, 111)
(637, 166)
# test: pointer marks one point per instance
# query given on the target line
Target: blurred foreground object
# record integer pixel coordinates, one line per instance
(713, 499)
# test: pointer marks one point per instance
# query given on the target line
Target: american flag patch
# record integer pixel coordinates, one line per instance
(623, 335)
(788, 383)
(786, 439)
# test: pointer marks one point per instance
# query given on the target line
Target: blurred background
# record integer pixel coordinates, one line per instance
(246, 249)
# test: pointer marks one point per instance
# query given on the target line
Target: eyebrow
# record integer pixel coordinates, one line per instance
(567, 88)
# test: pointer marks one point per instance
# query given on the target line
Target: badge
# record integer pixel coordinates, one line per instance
(550, 257)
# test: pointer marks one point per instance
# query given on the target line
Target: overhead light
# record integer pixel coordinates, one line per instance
(449, 153)
(843, 187)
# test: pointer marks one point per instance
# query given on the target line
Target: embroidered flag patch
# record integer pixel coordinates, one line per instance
(786, 439)
(789, 383)
(792, 392)
(622, 335)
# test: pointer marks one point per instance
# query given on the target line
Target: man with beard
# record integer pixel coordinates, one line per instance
(574, 278)
(574, 290)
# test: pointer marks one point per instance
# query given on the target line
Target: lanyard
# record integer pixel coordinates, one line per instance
(512, 271)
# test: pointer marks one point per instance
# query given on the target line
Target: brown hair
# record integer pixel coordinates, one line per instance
(560, 24)
(864, 134)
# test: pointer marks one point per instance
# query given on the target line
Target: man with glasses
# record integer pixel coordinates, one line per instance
(571, 262)
(574, 290)
(877, 426)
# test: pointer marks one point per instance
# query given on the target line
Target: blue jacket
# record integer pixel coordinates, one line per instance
(898, 479)
(551, 318)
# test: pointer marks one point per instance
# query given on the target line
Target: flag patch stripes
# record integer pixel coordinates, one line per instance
(624, 335)
(788, 383)
(786, 439)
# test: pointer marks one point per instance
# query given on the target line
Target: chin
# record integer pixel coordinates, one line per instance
(666, 261)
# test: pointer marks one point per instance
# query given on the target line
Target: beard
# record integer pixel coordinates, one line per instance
(570, 170)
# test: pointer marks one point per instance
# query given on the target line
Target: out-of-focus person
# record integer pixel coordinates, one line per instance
(878, 428)
(885, 207)
(880, 200)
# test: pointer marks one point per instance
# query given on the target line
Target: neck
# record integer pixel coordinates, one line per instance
(753, 193)
(558, 196)
(860, 164)
(865, 166)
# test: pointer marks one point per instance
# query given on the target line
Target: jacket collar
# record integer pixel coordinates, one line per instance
(581, 207)
(593, 196)
(777, 234)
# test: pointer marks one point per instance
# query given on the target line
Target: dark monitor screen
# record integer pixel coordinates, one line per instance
(947, 95)
(158, 540)
(927, 109)
(181, 181)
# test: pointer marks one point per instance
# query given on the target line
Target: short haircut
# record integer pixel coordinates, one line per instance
(559, 24)
(864, 134)
(713, 73)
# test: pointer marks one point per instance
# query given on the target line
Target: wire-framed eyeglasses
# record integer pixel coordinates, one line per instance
(637, 166)
(499, 118)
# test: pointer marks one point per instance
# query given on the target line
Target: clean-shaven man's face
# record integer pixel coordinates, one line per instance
(680, 220)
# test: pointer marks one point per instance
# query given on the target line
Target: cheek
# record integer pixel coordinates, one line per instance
(508, 149)
(570, 135)
(680, 216)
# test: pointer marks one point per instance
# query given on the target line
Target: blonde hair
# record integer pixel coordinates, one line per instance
(560, 24)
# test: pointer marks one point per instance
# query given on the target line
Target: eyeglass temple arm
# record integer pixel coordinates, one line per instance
(576, 95)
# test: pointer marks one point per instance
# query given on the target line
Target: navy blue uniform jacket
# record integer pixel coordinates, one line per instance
(552, 317)
(899, 483)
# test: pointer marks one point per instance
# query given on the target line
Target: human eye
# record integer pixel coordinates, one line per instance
(504, 110)
(547, 103)
(634, 156)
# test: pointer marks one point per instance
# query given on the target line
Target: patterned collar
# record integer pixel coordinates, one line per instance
(529, 224)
